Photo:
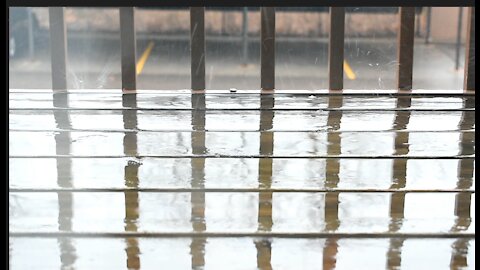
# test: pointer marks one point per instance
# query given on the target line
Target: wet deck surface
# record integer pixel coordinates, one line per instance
(241, 181)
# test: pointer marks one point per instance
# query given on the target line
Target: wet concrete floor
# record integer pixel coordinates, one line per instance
(241, 181)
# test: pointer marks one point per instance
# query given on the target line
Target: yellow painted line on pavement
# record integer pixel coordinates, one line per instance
(144, 57)
(348, 71)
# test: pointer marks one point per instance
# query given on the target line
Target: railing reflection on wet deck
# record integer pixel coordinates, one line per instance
(64, 180)
(278, 187)
(132, 206)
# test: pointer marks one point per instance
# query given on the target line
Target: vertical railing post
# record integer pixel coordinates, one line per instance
(405, 47)
(58, 45)
(336, 47)
(469, 78)
(197, 47)
(267, 51)
(128, 47)
(245, 35)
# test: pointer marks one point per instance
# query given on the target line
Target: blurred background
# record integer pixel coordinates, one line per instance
(232, 48)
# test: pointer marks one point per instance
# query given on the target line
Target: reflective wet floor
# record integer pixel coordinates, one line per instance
(307, 180)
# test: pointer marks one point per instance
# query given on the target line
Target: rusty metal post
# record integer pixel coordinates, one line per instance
(197, 47)
(267, 51)
(405, 47)
(58, 45)
(128, 47)
(469, 78)
(336, 47)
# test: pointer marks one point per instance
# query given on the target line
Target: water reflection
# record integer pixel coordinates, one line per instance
(265, 221)
(397, 200)
(267, 250)
(64, 179)
(465, 181)
(130, 147)
(197, 247)
(332, 222)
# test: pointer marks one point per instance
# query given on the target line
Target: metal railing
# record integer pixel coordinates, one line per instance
(406, 33)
